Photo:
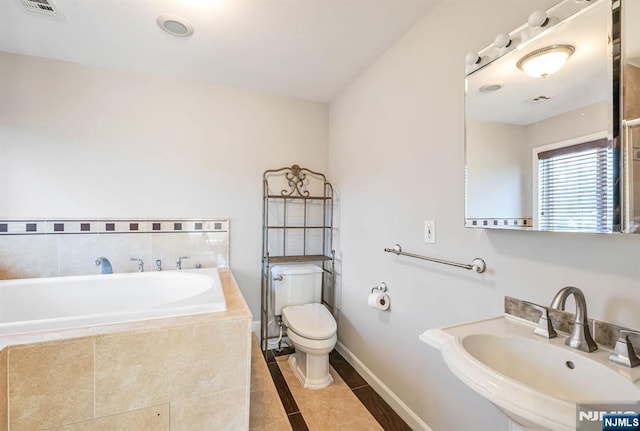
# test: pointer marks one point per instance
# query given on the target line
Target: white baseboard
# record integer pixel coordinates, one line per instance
(392, 399)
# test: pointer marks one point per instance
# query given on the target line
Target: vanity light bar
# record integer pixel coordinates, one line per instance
(539, 22)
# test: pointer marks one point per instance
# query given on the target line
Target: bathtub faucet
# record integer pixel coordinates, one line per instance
(179, 262)
(104, 264)
(140, 263)
(158, 264)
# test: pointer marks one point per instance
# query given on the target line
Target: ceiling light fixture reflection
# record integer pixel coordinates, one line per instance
(545, 61)
(490, 88)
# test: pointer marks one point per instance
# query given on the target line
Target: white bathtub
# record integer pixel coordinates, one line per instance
(54, 303)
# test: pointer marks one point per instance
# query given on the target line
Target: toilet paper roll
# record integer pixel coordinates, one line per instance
(379, 301)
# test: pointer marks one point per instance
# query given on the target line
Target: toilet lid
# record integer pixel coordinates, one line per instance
(311, 321)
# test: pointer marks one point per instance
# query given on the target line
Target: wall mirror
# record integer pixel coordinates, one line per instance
(542, 150)
(631, 115)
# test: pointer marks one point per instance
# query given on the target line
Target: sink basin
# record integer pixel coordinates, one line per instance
(535, 381)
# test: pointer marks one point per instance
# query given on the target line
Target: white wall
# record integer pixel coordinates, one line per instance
(498, 162)
(396, 158)
(78, 141)
(499, 159)
(571, 124)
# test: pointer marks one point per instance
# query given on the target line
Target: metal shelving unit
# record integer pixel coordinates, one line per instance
(297, 215)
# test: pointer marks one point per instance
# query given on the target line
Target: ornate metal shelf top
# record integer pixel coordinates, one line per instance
(296, 177)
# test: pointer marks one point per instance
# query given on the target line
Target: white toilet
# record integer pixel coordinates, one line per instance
(311, 328)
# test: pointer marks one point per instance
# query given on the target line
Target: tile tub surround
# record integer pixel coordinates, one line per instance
(603, 333)
(46, 248)
(161, 374)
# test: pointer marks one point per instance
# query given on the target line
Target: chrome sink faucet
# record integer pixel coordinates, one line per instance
(580, 338)
(104, 264)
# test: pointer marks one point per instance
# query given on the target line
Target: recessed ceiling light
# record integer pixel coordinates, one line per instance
(175, 25)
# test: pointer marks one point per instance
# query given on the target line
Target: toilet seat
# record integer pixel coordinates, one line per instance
(312, 346)
(310, 321)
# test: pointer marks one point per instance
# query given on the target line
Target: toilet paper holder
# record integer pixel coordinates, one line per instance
(382, 287)
(379, 297)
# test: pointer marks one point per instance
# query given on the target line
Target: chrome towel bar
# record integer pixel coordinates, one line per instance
(478, 265)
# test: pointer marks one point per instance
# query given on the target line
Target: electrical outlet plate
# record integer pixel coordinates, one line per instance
(430, 231)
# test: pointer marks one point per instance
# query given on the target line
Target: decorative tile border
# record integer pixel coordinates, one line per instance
(501, 223)
(102, 226)
(604, 333)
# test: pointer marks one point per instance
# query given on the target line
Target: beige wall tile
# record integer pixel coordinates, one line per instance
(78, 252)
(50, 384)
(232, 294)
(4, 425)
(153, 418)
(204, 248)
(27, 256)
(131, 371)
(219, 411)
(139, 370)
(209, 358)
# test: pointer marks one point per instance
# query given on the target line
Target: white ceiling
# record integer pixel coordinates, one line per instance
(309, 49)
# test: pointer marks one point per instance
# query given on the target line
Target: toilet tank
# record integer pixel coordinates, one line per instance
(300, 284)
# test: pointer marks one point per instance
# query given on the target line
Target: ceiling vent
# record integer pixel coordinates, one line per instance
(539, 99)
(41, 7)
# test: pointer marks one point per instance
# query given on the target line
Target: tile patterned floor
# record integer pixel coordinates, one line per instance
(332, 408)
(349, 403)
(266, 411)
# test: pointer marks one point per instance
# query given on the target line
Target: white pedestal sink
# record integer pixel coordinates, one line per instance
(535, 381)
